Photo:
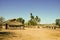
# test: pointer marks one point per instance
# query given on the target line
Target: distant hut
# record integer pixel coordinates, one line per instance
(52, 26)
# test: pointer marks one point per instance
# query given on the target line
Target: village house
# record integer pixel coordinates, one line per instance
(13, 24)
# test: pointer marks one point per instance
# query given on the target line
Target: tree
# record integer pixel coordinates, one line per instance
(32, 17)
(58, 22)
(21, 20)
(1, 21)
(37, 19)
(33, 20)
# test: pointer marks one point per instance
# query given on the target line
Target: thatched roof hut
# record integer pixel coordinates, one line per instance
(13, 23)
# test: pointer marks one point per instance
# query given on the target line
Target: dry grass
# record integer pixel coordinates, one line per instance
(31, 34)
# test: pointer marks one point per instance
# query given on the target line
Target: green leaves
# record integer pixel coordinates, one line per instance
(32, 17)
(58, 22)
(21, 20)
(1, 20)
(37, 19)
(33, 20)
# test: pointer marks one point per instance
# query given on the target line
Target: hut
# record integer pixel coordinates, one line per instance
(52, 26)
(13, 24)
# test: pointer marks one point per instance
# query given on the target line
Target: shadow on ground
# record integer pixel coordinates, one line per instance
(6, 35)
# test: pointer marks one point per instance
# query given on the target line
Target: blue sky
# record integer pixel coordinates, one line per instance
(47, 10)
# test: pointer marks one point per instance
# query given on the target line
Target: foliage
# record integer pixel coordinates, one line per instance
(37, 19)
(33, 20)
(21, 20)
(32, 17)
(58, 22)
(1, 20)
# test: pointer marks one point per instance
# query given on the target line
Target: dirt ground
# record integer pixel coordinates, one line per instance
(31, 34)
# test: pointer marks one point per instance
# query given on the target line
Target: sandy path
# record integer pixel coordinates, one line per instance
(35, 34)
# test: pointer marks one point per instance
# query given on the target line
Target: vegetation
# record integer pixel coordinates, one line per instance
(58, 22)
(21, 20)
(32, 17)
(33, 20)
(1, 21)
(37, 19)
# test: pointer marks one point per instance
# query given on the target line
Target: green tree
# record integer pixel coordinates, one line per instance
(32, 22)
(58, 22)
(32, 17)
(37, 19)
(21, 20)
(1, 20)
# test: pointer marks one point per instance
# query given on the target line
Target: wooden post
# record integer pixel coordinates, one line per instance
(6, 26)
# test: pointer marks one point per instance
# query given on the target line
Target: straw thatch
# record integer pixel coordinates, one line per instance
(14, 23)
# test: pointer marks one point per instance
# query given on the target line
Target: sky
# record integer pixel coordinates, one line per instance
(47, 10)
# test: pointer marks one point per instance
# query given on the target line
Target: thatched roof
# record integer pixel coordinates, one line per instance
(14, 23)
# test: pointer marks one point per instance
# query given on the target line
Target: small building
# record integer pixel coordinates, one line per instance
(13, 24)
(52, 26)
